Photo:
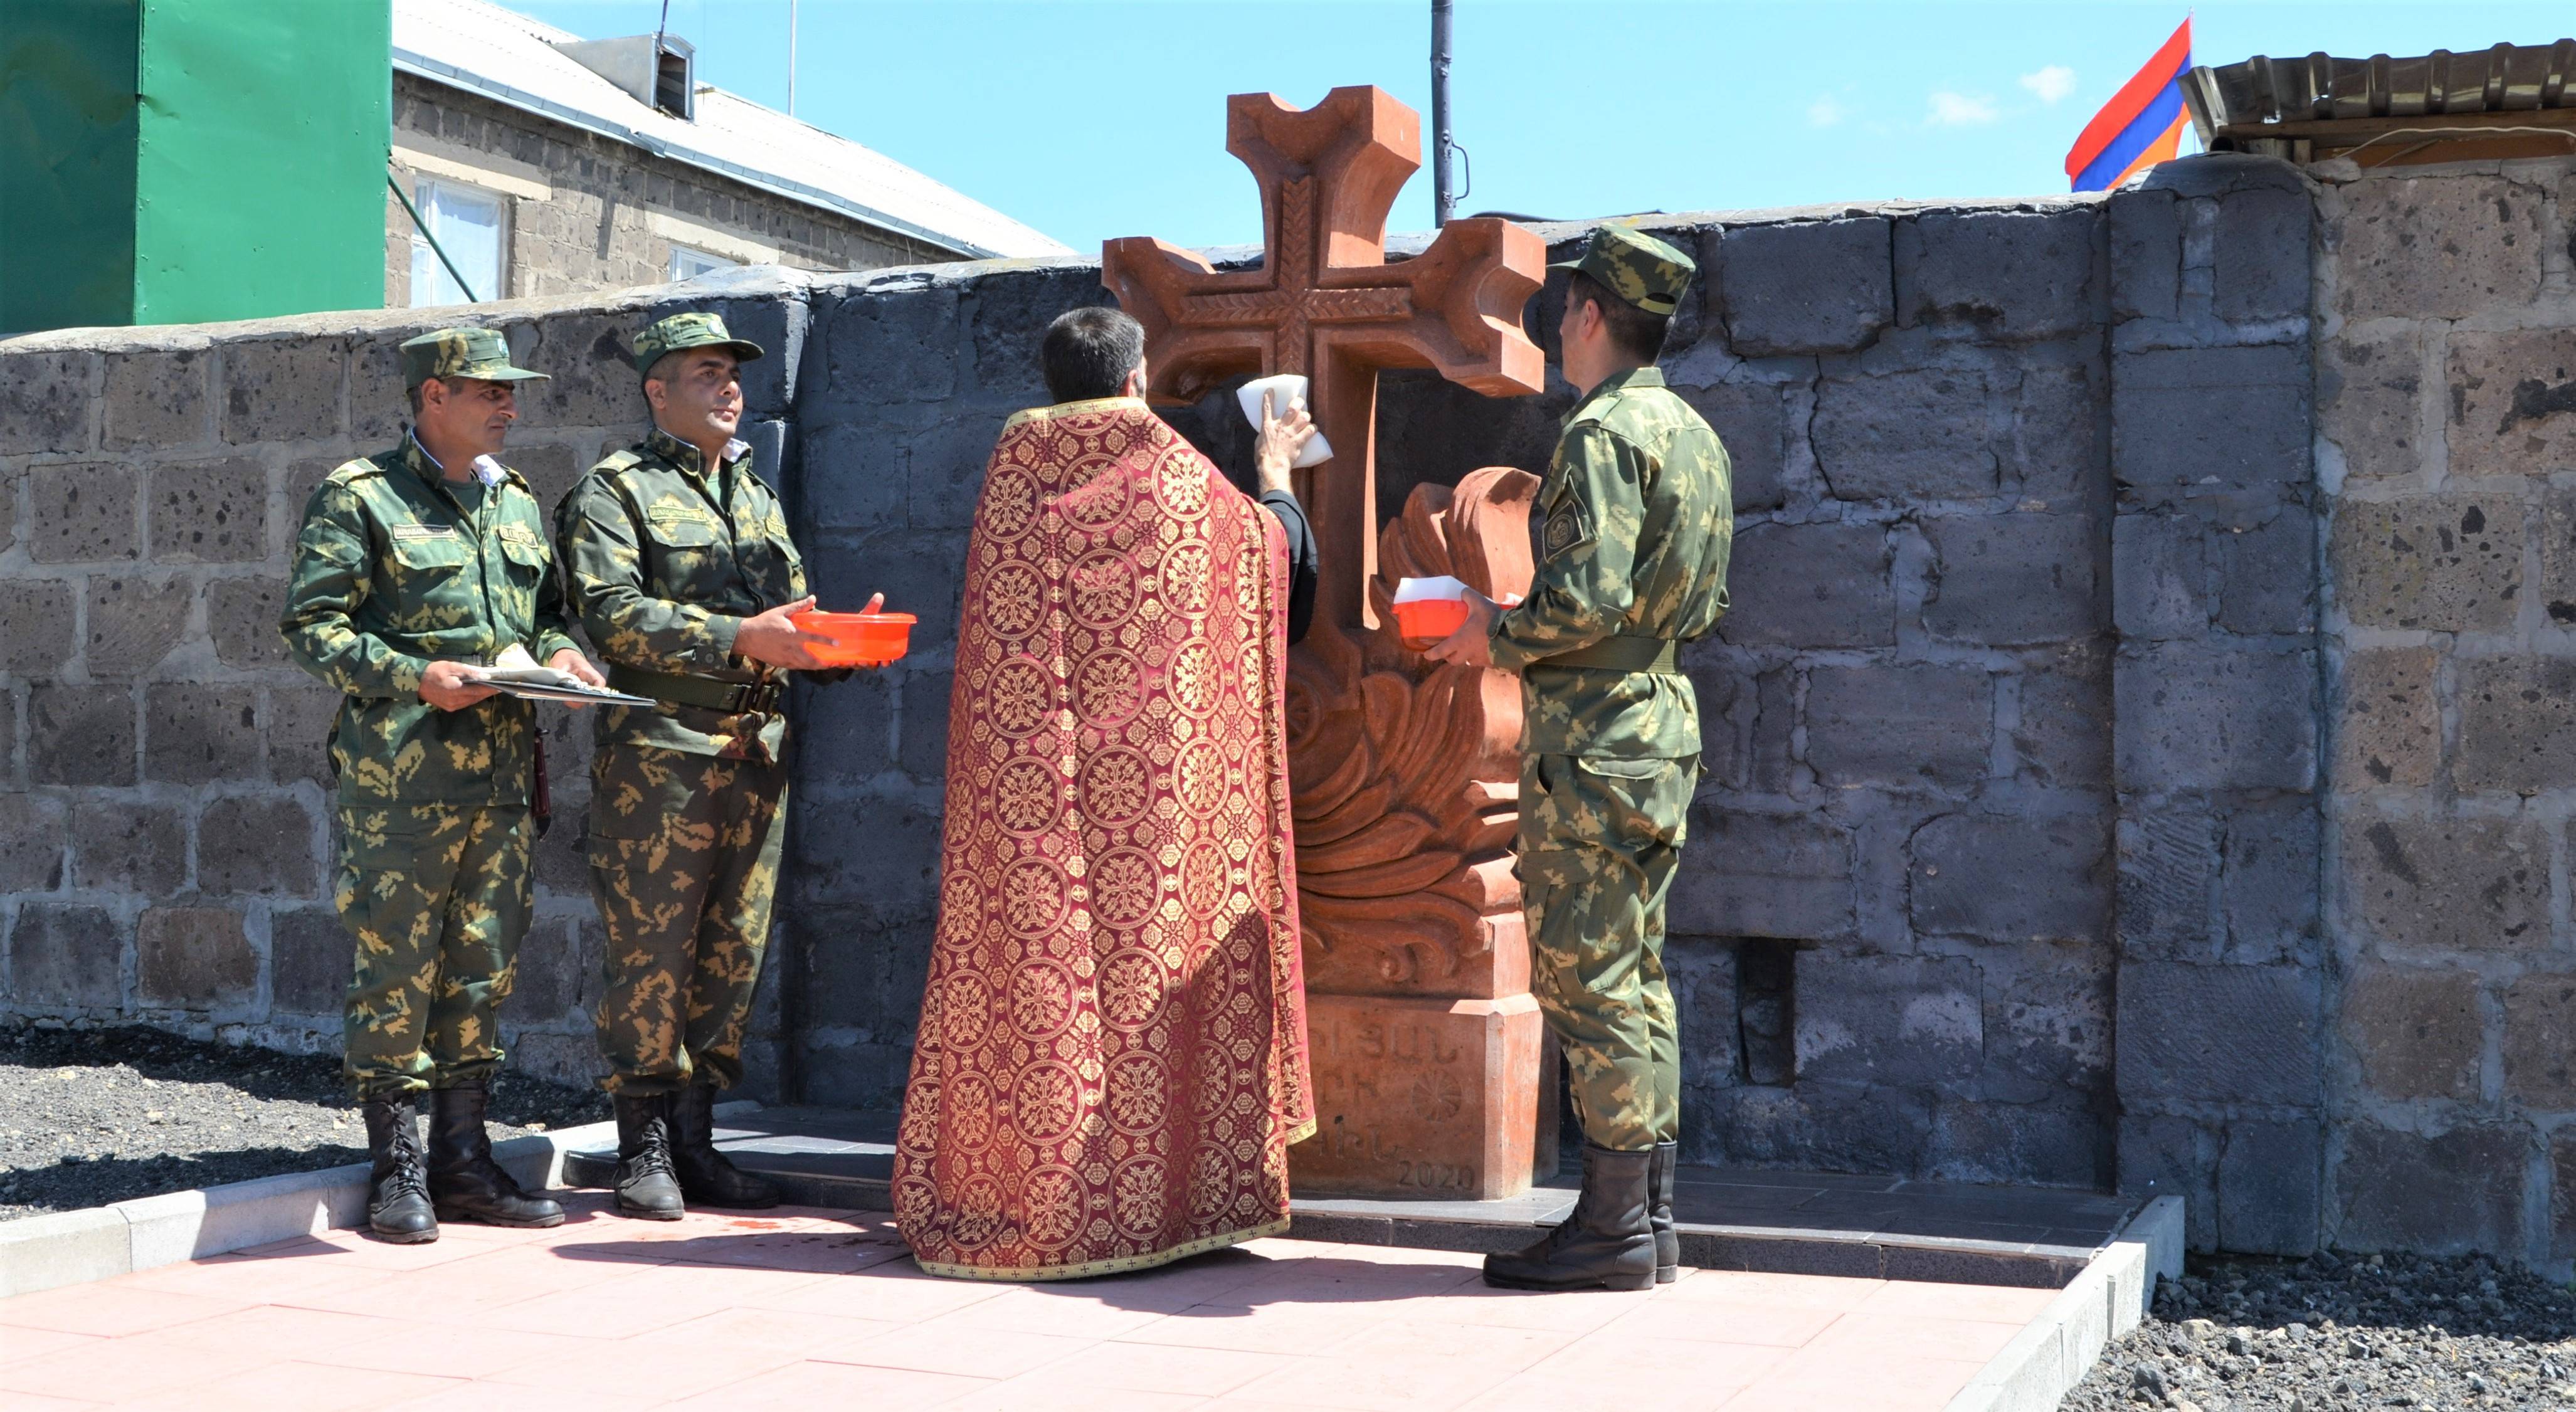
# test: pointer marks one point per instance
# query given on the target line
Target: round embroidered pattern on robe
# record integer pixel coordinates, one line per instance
(979, 1211)
(1096, 499)
(1010, 502)
(1046, 1102)
(1203, 879)
(1181, 483)
(1193, 676)
(1131, 989)
(1137, 1196)
(919, 1129)
(1108, 687)
(1052, 1199)
(1014, 600)
(1101, 589)
(1186, 585)
(1199, 776)
(1020, 697)
(970, 1111)
(965, 1007)
(1211, 1183)
(1032, 896)
(1041, 999)
(1124, 883)
(1026, 796)
(1137, 1092)
(1117, 785)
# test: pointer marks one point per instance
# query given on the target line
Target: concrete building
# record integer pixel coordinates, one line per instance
(545, 164)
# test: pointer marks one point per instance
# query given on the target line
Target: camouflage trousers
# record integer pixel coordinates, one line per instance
(1599, 840)
(437, 898)
(684, 856)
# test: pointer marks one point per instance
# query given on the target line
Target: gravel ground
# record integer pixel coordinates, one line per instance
(93, 1116)
(2343, 1333)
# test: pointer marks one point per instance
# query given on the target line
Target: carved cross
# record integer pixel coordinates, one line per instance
(1325, 302)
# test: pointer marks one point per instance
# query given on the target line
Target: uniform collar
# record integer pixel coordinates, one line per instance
(487, 471)
(685, 456)
(1647, 376)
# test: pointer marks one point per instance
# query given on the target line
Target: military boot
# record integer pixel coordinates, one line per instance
(707, 1178)
(464, 1181)
(398, 1206)
(646, 1185)
(1659, 1211)
(1605, 1243)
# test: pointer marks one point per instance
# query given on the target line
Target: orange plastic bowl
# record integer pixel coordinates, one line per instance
(1423, 622)
(858, 639)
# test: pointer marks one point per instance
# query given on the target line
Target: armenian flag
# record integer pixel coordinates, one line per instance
(2140, 126)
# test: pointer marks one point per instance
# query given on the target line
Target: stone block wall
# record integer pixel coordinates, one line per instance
(2446, 449)
(2134, 757)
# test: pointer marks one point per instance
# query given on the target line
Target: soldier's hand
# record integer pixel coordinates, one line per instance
(1472, 644)
(452, 686)
(574, 664)
(1274, 454)
(770, 639)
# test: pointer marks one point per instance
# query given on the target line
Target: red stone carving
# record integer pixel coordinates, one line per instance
(1426, 1042)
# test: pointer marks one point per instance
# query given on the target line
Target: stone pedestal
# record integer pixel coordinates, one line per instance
(1422, 1096)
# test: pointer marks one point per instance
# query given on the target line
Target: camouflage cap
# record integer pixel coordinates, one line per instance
(1635, 266)
(688, 331)
(459, 353)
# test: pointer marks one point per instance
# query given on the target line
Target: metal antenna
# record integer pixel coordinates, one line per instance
(791, 58)
(1444, 200)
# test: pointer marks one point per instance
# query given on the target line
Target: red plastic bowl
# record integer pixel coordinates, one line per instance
(1423, 622)
(858, 639)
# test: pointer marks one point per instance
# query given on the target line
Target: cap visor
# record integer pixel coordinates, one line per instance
(742, 351)
(1574, 264)
(513, 375)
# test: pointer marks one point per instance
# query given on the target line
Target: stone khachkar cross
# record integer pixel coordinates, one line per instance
(1427, 1044)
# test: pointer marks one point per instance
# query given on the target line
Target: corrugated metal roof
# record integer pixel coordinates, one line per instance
(2509, 78)
(511, 59)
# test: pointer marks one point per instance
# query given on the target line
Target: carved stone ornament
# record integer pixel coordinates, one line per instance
(1426, 1043)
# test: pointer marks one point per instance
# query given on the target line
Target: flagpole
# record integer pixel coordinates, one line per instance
(791, 58)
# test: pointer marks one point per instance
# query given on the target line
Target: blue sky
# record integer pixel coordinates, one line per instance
(1093, 120)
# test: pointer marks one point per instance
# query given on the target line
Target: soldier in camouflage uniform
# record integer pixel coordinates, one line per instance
(679, 567)
(413, 567)
(1637, 517)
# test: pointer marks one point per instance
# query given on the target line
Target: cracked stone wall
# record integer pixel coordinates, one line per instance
(2446, 450)
(2134, 757)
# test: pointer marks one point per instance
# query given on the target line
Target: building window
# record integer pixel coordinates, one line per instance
(689, 264)
(467, 224)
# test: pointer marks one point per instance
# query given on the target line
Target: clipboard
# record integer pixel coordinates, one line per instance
(547, 684)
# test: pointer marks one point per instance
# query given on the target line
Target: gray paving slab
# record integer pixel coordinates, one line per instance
(1744, 1218)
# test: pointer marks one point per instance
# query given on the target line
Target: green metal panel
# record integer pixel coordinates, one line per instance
(261, 143)
(66, 163)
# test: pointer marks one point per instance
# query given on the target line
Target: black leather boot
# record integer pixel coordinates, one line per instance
(1606, 1243)
(398, 1207)
(707, 1178)
(1659, 1212)
(646, 1185)
(464, 1182)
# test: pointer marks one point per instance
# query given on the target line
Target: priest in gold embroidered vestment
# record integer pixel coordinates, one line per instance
(1111, 1061)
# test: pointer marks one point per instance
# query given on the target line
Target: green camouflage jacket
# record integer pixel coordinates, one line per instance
(661, 564)
(394, 569)
(1637, 517)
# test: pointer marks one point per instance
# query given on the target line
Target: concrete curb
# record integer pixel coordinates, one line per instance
(2048, 1358)
(74, 1247)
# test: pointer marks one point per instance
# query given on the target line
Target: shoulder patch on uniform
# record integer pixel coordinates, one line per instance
(356, 469)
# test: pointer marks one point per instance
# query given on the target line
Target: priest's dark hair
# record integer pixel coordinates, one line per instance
(1089, 352)
(1633, 331)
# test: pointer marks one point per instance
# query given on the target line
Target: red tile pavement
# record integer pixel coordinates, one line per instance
(801, 1309)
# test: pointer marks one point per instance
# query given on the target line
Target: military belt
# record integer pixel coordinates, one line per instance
(1622, 653)
(734, 698)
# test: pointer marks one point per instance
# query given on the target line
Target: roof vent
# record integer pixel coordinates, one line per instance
(656, 69)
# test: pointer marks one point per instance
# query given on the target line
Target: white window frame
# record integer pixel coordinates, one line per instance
(430, 282)
(688, 262)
